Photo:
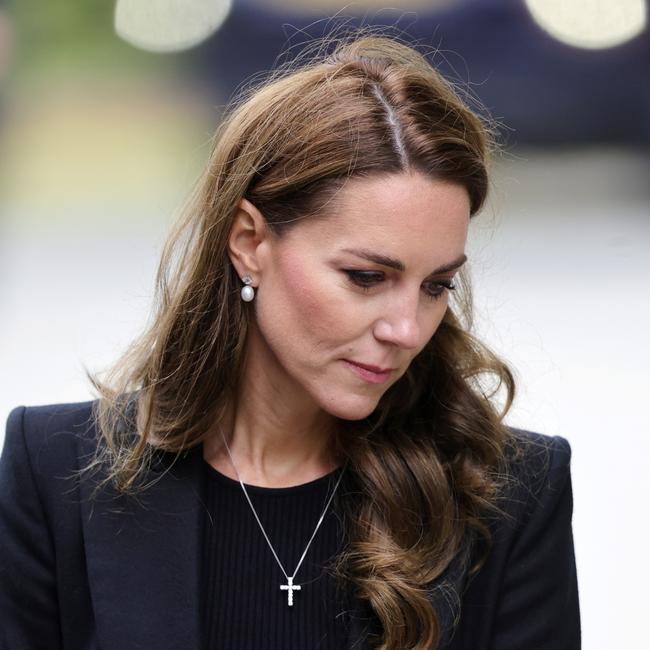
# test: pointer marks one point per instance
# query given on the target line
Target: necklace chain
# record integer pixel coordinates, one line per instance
(268, 541)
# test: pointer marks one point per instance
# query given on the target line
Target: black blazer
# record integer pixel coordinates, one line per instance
(123, 574)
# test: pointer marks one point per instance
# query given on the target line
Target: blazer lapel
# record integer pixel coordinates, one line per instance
(143, 559)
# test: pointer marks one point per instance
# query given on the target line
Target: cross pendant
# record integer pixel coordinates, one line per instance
(289, 588)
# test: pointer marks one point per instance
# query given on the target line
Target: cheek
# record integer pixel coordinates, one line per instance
(437, 322)
(440, 316)
(307, 299)
(429, 325)
(311, 299)
(300, 314)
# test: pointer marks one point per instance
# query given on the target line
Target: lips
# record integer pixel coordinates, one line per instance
(368, 372)
(365, 366)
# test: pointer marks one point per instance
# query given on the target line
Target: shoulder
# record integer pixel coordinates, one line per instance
(537, 468)
(49, 436)
(530, 564)
(534, 497)
(43, 450)
(49, 417)
(537, 452)
(44, 422)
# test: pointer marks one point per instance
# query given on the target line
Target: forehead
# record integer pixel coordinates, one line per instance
(399, 213)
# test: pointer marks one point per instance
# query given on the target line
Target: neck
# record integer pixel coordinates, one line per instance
(275, 439)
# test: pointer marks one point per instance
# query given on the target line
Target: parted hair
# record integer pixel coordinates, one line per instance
(427, 465)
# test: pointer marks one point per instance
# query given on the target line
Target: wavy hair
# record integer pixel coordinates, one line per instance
(426, 465)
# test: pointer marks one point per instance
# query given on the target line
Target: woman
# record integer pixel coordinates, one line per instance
(302, 450)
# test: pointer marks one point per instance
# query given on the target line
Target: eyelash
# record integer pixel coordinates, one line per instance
(371, 278)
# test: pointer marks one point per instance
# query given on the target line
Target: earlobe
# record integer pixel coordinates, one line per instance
(247, 232)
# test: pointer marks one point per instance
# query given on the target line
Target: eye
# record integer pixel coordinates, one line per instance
(367, 279)
(438, 287)
(364, 279)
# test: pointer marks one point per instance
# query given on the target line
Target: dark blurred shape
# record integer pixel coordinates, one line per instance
(542, 91)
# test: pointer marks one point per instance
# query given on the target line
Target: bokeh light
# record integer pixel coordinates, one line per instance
(169, 25)
(590, 24)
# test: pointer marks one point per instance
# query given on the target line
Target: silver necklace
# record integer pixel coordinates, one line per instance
(289, 587)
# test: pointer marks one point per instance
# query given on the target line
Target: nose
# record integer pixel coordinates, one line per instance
(399, 325)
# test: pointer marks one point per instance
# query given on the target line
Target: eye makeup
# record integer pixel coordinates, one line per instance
(368, 279)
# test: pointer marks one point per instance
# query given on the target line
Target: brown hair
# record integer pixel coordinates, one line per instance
(425, 465)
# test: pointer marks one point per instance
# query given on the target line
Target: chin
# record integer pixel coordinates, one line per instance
(351, 407)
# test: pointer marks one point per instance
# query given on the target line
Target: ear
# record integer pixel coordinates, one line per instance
(248, 235)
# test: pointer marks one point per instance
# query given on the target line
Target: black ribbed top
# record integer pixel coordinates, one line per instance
(244, 607)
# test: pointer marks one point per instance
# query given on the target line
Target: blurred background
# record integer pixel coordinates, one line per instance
(106, 110)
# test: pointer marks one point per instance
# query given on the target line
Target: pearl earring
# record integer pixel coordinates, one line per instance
(247, 292)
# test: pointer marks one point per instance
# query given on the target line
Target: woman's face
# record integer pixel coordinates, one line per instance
(364, 285)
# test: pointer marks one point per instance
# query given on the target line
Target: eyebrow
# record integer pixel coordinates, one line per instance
(384, 260)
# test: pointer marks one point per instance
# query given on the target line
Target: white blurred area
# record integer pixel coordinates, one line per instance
(93, 172)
